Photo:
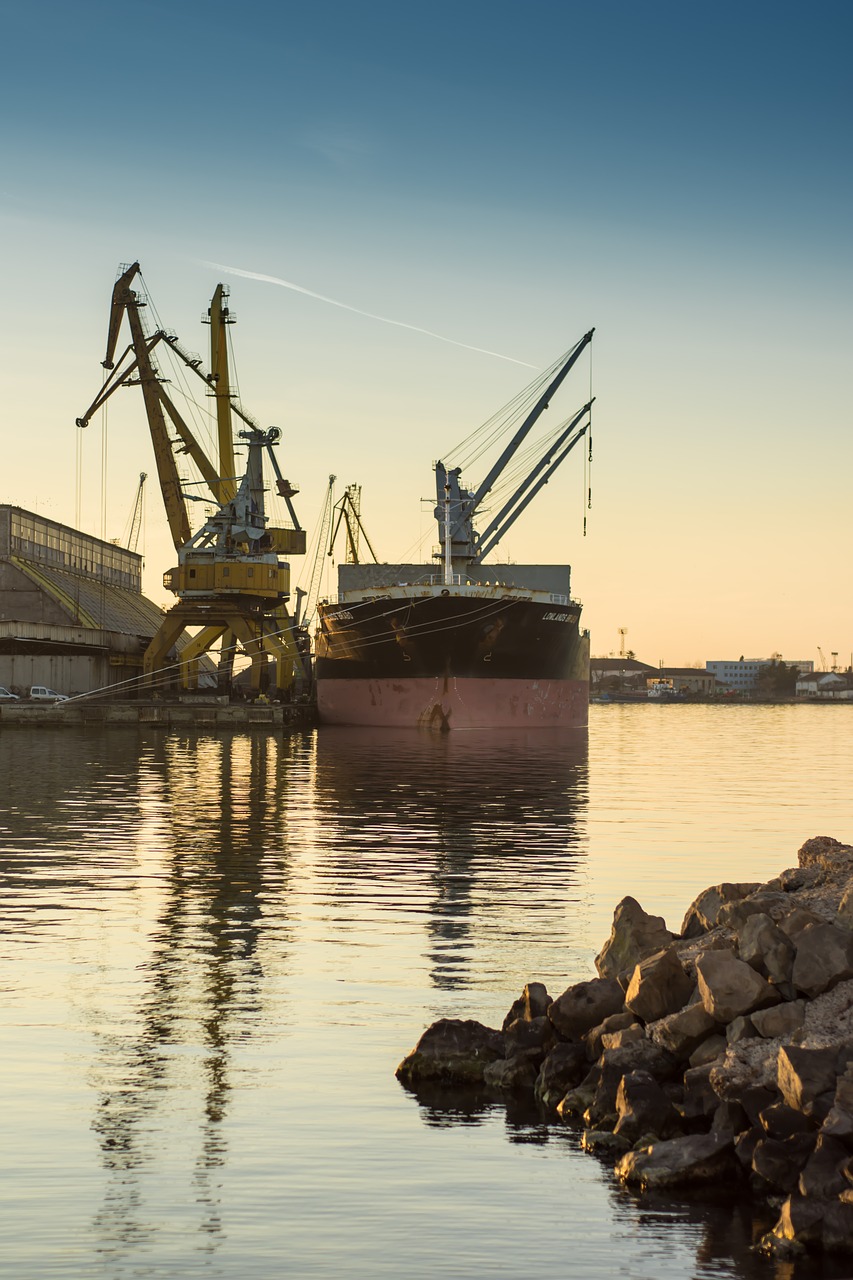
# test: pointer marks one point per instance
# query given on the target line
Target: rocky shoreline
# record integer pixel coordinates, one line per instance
(718, 1056)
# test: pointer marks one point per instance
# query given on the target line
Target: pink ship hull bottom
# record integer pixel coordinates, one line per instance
(443, 704)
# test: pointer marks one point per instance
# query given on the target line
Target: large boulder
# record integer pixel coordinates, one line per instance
(531, 1004)
(805, 1077)
(781, 1121)
(703, 911)
(771, 902)
(826, 853)
(823, 1175)
(584, 1005)
(729, 987)
(839, 1121)
(824, 958)
(659, 985)
(679, 1162)
(683, 1031)
(779, 1020)
(452, 1050)
(533, 1039)
(616, 1022)
(634, 935)
(563, 1069)
(516, 1074)
(643, 1107)
(800, 1222)
(778, 1162)
(765, 948)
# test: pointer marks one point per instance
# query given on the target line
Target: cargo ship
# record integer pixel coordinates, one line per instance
(459, 643)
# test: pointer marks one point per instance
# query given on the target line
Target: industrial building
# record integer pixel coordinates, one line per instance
(72, 613)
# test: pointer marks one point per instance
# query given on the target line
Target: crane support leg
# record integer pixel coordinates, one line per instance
(193, 651)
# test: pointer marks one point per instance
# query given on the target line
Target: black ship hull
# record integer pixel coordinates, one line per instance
(463, 657)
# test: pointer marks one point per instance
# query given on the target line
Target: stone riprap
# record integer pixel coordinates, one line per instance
(721, 1055)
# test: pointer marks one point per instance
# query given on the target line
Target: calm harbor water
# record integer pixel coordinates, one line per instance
(216, 950)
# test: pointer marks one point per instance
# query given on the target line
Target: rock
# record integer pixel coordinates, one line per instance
(794, 878)
(824, 957)
(643, 1107)
(682, 1032)
(836, 1234)
(534, 1038)
(804, 1075)
(729, 987)
(730, 1117)
(452, 1050)
(618, 1039)
(826, 853)
(686, 1161)
(797, 919)
(779, 1020)
(563, 1069)
(844, 915)
(659, 985)
(576, 1102)
(635, 934)
(839, 1121)
(584, 1005)
(531, 1004)
(775, 904)
(755, 1100)
(703, 911)
(606, 1075)
(699, 1096)
(745, 1145)
(799, 1220)
(823, 1176)
(740, 1028)
(709, 1050)
(616, 1022)
(781, 1121)
(603, 1142)
(765, 948)
(747, 1065)
(515, 1073)
(779, 1161)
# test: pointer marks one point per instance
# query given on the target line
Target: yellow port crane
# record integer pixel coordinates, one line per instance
(229, 579)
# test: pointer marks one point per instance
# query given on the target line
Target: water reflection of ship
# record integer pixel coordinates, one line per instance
(483, 834)
(217, 800)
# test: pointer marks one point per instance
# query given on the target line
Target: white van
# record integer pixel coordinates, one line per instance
(38, 693)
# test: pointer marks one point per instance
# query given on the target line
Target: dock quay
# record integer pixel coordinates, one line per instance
(209, 714)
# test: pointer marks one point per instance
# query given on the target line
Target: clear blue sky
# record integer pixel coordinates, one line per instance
(677, 175)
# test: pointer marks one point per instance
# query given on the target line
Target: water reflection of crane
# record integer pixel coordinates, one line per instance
(214, 804)
(483, 836)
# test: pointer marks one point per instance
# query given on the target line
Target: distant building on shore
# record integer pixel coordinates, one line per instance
(72, 613)
(609, 675)
(683, 680)
(742, 675)
(826, 684)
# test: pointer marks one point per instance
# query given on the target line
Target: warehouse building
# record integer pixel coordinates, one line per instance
(72, 613)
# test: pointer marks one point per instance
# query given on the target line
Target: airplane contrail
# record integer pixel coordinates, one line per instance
(298, 288)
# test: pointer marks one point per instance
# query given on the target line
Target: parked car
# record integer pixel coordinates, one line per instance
(39, 693)
(6, 696)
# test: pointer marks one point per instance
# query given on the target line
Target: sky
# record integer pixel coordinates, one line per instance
(677, 176)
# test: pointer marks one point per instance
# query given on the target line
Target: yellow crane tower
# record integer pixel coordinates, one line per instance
(229, 580)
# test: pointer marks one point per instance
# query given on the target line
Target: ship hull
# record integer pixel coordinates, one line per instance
(447, 660)
(453, 703)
